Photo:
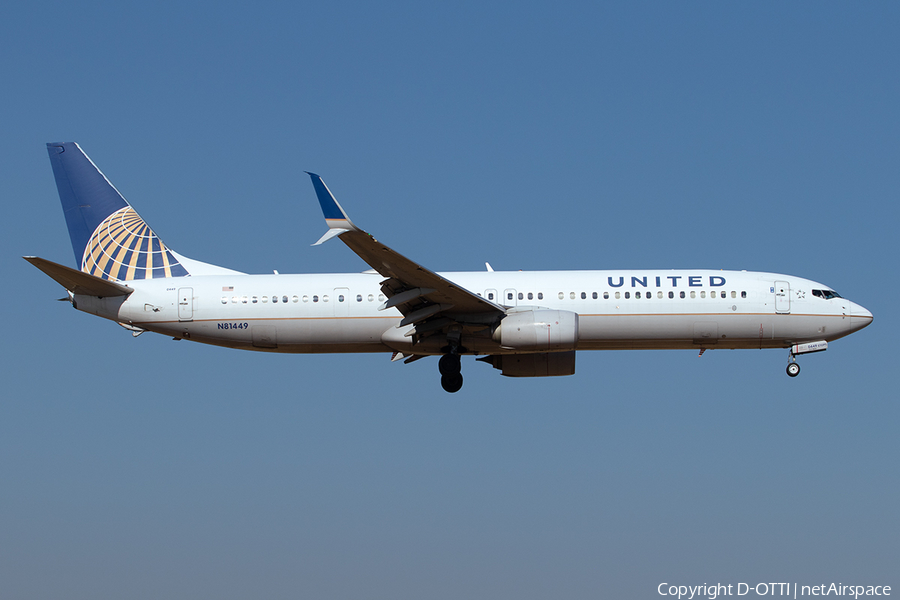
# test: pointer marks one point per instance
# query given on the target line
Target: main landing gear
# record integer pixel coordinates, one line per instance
(451, 377)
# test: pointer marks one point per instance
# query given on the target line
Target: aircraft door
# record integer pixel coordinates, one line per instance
(782, 297)
(509, 298)
(185, 304)
(341, 302)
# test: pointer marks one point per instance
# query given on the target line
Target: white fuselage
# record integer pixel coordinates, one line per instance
(652, 309)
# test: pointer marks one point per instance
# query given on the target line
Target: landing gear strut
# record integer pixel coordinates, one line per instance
(450, 367)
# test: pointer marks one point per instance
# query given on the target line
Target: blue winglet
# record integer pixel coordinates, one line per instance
(330, 207)
(337, 220)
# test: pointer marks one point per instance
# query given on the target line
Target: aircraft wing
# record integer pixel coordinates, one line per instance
(426, 300)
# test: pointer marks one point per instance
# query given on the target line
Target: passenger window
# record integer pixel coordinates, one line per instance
(224, 299)
(606, 295)
(381, 297)
(703, 294)
(540, 295)
(618, 295)
(628, 295)
(243, 299)
(371, 298)
(359, 297)
(315, 298)
(254, 299)
(584, 295)
(636, 294)
(490, 295)
(521, 296)
(306, 298)
(734, 294)
(743, 294)
(509, 296)
(265, 299)
(324, 297)
(561, 295)
(284, 299)
(693, 294)
(681, 294)
(671, 295)
(234, 299)
(340, 298)
(659, 294)
(530, 296)
(594, 295)
(571, 295)
(295, 299)
(274, 299)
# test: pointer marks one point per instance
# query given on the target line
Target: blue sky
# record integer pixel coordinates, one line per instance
(638, 135)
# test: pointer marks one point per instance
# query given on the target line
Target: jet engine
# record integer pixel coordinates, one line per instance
(539, 364)
(538, 330)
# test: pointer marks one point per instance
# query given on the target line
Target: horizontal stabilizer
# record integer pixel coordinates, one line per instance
(79, 282)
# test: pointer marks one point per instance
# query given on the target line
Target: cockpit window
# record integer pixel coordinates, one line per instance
(826, 294)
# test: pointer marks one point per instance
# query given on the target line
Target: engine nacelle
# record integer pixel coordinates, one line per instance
(538, 330)
(541, 364)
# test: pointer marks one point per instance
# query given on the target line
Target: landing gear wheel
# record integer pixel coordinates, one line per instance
(793, 369)
(449, 365)
(452, 383)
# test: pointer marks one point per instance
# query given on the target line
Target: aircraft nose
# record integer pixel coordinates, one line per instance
(859, 316)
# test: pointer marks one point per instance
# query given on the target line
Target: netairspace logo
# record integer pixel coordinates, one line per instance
(794, 590)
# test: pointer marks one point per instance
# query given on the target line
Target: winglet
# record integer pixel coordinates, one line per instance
(337, 220)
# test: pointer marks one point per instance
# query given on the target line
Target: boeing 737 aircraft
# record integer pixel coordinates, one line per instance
(526, 324)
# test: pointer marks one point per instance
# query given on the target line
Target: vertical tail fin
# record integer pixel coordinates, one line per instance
(109, 238)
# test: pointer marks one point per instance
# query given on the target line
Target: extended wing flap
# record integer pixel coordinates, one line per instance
(79, 282)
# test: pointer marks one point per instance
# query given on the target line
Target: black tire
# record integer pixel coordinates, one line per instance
(793, 369)
(452, 383)
(449, 364)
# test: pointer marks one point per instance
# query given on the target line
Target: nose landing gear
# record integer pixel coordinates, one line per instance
(451, 377)
(793, 369)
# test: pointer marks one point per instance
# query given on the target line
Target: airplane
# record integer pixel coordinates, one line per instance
(523, 323)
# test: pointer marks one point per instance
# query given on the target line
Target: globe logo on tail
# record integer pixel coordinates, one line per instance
(123, 247)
